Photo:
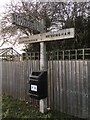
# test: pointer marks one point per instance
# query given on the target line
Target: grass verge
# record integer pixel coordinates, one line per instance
(14, 109)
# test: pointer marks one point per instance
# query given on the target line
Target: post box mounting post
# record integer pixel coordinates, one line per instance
(43, 67)
(43, 61)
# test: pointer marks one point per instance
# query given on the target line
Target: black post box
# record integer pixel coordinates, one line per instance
(38, 85)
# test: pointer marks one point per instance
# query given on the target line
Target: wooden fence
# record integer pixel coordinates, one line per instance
(68, 84)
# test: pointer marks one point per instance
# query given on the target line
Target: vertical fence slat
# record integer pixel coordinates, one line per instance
(63, 87)
(57, 87)
(81, 85)
(26, 80)
(77, 88)
(67, 87)
(85, 90)
(70, 87)
(54, 83)
(60, 85)
(6, 78)
(14, 83)
(22, 82)
(16, 79)
(88, 88)
(3, 78)
(10, 77)
(73, 72)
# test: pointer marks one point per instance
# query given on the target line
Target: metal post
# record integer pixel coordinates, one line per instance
(43, 67)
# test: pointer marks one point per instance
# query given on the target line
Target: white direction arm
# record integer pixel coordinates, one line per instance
(49, 36)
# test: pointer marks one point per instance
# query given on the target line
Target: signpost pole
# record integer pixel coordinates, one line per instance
(43, 61)
(43, 67)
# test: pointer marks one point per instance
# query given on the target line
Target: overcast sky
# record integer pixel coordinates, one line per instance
(3, 3)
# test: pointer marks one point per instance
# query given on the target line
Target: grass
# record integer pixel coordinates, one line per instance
(13, 108)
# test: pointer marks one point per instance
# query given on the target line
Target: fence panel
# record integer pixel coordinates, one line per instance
(68, 84)
(69, 88)
(15, 77)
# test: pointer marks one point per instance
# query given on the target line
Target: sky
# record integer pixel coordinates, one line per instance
(3, 3)
(17, 47)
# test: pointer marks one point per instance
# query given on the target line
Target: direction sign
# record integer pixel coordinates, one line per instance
(49, 36)
(25, 22)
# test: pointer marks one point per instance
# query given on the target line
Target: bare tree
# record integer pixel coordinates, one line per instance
(10, 32)
(58, 14)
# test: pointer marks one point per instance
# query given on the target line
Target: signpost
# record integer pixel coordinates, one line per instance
(49, 36)
(20, 20)
(42, 38)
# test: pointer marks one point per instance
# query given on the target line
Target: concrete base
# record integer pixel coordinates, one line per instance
(43, 105)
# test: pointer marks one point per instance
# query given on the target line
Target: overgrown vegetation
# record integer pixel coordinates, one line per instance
(13, 108)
